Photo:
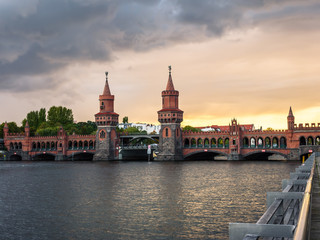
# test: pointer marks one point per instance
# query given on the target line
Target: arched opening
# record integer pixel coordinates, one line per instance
(260, 142)
(199, 143)
(53, 147)
(84, 156)
(80, 145)
(220, 143)
(70, 145)
(15, 157)
(302, 141)
(186, 143)
(275, 143)
(75, 145)
(15, 146)
(267, 142)
(44, 157)
(34, 146)
(283, 142)
(19, 145)
(206, 142)
(85, 144)
(48, 146)
(38, 146)
(193, 143)
(213, 143)
(245, 142)
(43, 146)
(167, 132)
(317, 141)
(264, 156)
(252, 142)
(90, 144)
(11, 146)
(310, 141)
(226, 143)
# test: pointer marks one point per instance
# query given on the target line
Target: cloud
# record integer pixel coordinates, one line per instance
(39, 37)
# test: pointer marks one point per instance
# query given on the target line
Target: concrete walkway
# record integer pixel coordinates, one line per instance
(315, 216)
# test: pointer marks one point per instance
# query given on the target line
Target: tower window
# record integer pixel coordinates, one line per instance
(167, 132)
(102, 103)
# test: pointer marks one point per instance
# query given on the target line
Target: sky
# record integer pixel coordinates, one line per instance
(243, 59)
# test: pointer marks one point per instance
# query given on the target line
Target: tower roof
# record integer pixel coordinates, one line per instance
(27, 124)
(5, 124)
(170, 86)
(106, 90)
(290, 112)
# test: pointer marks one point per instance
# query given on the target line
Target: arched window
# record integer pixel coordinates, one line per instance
(260, 142)
(85, 144)
(245, 142)
(252, 142)
(220, 143)
(199, 143)
(47, 146)
(19, 145)
(310, 141)
(226, 143)
(38, 146)
(213, 143)
(193, 143)
(53, 146)
(15, 145)
(75, 145)
(267, 142)
(34, 146)
(186, 143)
(167, 132)
(80, 145)
(302, 141)
(206, 143)
(90, 144)
(275, 143)
(283, 142)
(43, 146)
(70, 145)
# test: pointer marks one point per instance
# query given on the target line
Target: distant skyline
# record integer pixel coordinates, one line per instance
(243, 59)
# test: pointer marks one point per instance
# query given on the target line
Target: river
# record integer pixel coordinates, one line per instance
(133, 200)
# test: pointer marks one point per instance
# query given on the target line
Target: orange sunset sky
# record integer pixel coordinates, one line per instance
(250, 60)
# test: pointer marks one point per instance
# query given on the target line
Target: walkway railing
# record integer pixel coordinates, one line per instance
(288, 212)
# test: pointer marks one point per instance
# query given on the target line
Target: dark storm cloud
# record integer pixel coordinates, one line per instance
(42, 36)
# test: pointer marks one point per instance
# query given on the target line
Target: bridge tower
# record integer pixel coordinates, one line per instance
(5, 130)
(106, 120)
(170, 117)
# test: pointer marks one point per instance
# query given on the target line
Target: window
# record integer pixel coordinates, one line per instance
(167, 132)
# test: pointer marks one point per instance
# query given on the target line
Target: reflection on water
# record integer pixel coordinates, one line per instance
(133, 200)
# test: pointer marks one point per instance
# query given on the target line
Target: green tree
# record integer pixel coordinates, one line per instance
(35, 119)
(60, 115)
(125, 119)
(189, 128)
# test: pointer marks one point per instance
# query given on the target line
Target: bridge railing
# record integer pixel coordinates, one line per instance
(288, 211)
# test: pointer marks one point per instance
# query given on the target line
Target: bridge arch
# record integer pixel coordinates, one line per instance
(143, 140)
(81, 156)
(204, 155)
(15, 157)
(44, 157)
(259, 155)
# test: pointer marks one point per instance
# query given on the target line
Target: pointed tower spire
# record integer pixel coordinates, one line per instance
(27, 124)
(170, 86)
(6, 125)
(290, 112)
(290, 120)
(106, 90)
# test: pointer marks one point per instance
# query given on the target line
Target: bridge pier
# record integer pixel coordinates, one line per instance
(234, 157)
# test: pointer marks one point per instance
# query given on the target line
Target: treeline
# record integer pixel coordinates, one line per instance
(44, 123)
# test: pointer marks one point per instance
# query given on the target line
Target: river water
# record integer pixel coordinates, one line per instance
(133, 200)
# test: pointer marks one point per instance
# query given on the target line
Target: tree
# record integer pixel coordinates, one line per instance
(125, 119)
(189, 128)
(35, 119)
(60, 115)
